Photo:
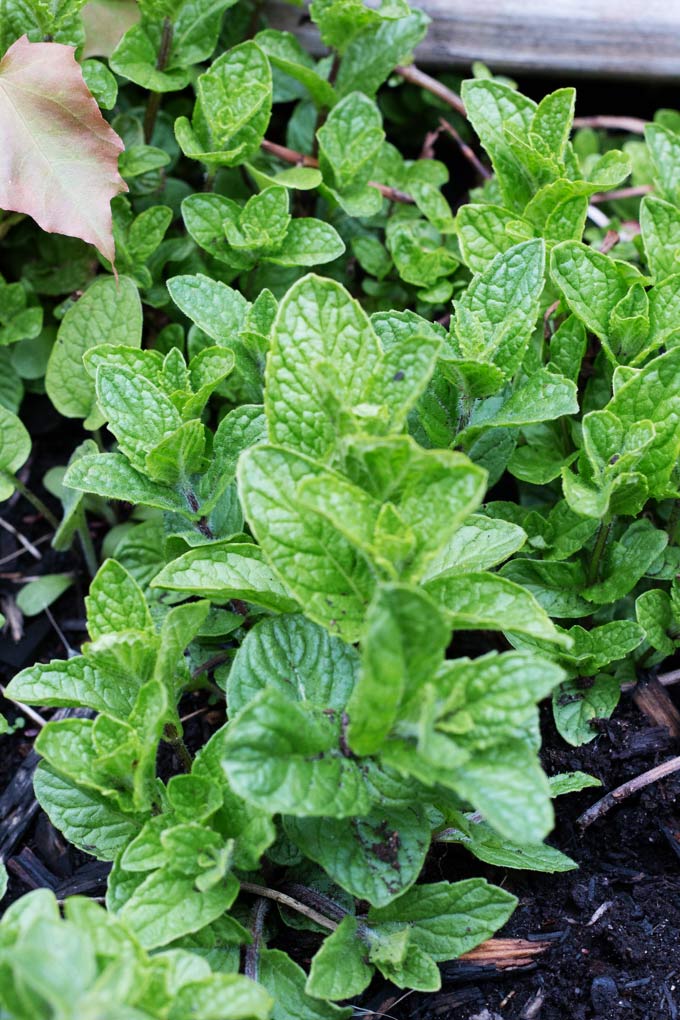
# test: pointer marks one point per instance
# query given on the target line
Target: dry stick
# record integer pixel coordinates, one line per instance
(415, 76)
(667, 679)
(299, 159)
(611, 196)
(601, 807)
(28, 546)
(633, 125)
(24, 708)
(288, 901)
(467, 152)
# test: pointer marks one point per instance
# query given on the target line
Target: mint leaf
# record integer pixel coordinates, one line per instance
(295, 657)
(374, 858)
(286, 756)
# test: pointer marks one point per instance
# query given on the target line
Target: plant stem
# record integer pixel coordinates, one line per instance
(292, 904)
(673, 521)
(172, 737)
(34, 500)
(415, 76)
(252, 959)
(600, 544)
(299, 159)
(154, 101)
(88, 549)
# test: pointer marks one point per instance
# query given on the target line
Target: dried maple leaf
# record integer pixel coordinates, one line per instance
(59, 157)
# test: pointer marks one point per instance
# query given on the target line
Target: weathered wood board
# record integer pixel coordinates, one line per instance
(600, 38)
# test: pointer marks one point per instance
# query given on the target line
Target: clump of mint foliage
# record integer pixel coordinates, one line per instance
(309, 458)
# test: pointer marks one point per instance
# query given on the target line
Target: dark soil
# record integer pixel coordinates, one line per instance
(612, 927)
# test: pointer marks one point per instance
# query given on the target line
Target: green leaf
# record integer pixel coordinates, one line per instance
(109, 312)
(225, 571)
(480, 543)
(482, 601)
(138, 413)
(349, 143)
(484, 231)
(403, 645)
(493, 698)
(295, 657)
(84, 681)
(493, 108)
(86, 818)
(112, 476)
(496, 315)
(664, 148)
(481, 840)
(216, 308)
(507, 785)
(541, 397)
(115, 602)
(167, 905)
(556, 586)
(577, 702)
(287, 55)
(222, 997)
(446, 919)
(286, 757)
(236, 97)
(660, 224)
(374, 858)
(37, 595)
(320, 568)
(371, 56)
(317, 323)
(15, 447)
(136, 57)
(339, 969)
(626, 561)
(285, 982)
(308, 242)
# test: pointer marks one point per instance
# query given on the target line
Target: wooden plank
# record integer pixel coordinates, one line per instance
(599, 38)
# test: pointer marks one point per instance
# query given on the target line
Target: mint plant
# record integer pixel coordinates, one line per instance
(297, 473)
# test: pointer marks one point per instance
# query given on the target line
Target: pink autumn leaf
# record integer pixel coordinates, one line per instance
(58, 157)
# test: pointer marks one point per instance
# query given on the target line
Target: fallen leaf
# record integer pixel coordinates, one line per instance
(59, 157)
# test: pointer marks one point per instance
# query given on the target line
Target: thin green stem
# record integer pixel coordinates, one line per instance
(600, 546)
(673, 521)
(34, 500)
(87, 546)
(172, 737)
(154, 101)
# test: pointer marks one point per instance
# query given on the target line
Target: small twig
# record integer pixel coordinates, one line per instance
(20, 552)
(633, 125)
(667, 679)
(415, 76)
(299, 159)
(599, 218)
(610, 240)
(28, 546)
(610, 196)
(288, 901)
(251, 966)
(602, 909)
(26, 709)
(467, 152)
(70, 652)
(209, 664)
(172, 737)
(601, 807)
